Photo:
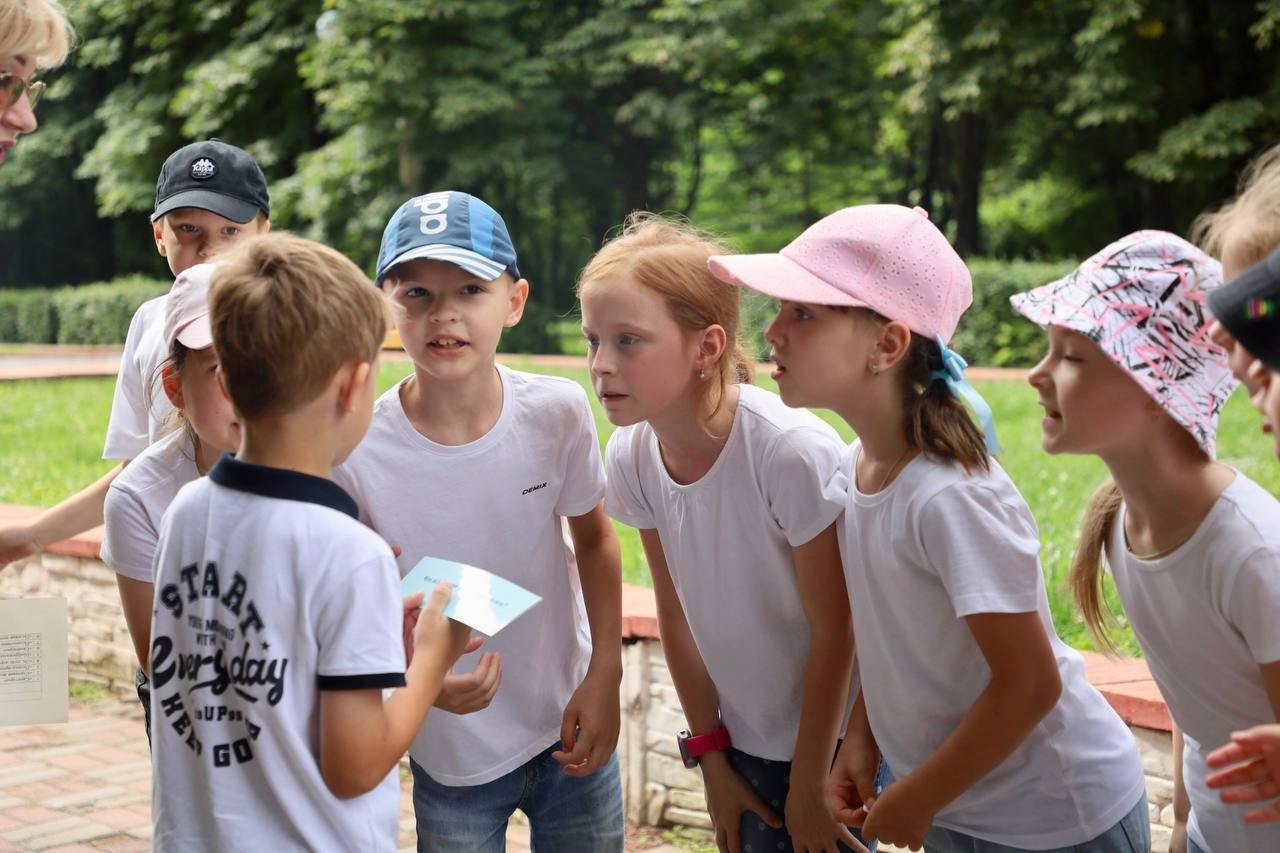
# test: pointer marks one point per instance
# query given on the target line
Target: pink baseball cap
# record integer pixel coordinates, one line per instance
(186, 315)
(1142, 301)
(885, 257)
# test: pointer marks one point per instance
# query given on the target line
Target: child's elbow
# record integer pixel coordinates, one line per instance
(348, 782)
(1043, 692)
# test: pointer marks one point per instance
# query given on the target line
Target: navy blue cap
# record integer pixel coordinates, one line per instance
(213, 176)
(448, 226)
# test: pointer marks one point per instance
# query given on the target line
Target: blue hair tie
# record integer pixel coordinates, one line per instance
(952, 373)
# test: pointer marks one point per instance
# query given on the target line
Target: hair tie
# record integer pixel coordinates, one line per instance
(952, 373)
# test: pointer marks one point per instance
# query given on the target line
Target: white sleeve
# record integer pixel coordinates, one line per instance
(359, 618)
(985, 549)
(805, 483)
(583, 486)
(624, 499)
(128, 430)
(129, 537)
(1253, 604)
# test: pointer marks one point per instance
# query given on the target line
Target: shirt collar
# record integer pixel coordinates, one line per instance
(280, 483)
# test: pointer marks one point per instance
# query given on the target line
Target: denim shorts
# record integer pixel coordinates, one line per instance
(1131, 835)
(566, 813)
(771, 780)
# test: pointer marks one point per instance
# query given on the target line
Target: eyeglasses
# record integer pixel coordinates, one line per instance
(12, 86)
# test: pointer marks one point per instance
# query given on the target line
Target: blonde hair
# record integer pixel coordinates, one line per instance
(1248, 225)
(37, 29)
(1085, 577)
(669, 257)
(287, 314)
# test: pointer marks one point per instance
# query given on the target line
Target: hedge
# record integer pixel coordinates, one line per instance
(990, 332)
(85, 314)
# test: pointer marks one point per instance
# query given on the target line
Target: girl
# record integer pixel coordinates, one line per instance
(137, 499)
(1193, 545)
(984, 716)
(735, 496)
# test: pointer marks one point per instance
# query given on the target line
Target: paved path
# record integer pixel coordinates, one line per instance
(56, 362)
(86, 786)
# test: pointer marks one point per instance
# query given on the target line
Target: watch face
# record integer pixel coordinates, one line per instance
(682, 741)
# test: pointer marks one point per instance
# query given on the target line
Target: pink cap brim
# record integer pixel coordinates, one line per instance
(780, 277)
(196, 334)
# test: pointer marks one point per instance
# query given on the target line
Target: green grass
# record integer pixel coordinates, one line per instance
(51, 443)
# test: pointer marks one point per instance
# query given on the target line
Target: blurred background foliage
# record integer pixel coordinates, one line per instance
(1032, 130)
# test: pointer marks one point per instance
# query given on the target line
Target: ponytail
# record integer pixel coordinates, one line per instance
(937, 421)
(1086, 575)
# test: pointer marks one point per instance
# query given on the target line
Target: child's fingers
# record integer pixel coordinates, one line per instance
(1238, 774)
(473, 644)
(766, 814)
(580, 752)
(847, 839)
(439, 596)
(1231, 753)
(1254, 793)
(851, 815)
(1266, 814)
(412, 602)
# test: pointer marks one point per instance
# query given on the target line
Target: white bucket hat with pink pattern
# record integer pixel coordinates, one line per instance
(1142, 301)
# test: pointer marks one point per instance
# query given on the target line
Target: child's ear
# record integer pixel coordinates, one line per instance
(351, 379)
(711, 346)
(157, 233)
(893, 342)
(519, 296)
(172, 385)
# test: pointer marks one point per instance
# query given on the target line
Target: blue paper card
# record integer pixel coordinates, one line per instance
(480, 599)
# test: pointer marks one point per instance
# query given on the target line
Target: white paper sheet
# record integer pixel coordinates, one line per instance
(33, 661)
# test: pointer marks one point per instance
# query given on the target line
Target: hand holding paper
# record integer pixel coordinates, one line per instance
(480, 599)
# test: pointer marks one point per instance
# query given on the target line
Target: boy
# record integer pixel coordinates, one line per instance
(209, 196)
(478, 463)
(277, 622)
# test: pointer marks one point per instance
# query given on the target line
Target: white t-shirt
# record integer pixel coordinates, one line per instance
(727, 539)
(497, 503)
(133, 425)
(935, 546)
(1206, 616)
(137, 501)
(268, 591)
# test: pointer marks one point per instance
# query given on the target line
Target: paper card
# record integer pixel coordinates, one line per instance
(480, 599)
(33, 661)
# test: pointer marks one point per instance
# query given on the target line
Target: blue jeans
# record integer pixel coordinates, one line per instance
(1131, 835)
(566, 813)
(771, 780)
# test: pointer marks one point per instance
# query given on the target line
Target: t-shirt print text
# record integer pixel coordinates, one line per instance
(212, 648)
(532, 489)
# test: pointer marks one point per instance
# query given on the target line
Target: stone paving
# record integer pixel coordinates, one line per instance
(86, 786)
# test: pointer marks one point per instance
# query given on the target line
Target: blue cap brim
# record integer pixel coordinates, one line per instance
(474, 263)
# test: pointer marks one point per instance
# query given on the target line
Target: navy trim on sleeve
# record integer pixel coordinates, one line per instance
(361, 682)
(282, 484)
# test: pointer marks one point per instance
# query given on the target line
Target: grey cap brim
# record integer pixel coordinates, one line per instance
(228, 207)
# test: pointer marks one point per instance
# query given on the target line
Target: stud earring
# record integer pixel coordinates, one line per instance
(702, 374)
(875, 369)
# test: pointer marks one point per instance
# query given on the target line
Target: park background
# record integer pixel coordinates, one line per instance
(1034, 131)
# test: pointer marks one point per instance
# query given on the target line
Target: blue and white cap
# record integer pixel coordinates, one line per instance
(448, 226)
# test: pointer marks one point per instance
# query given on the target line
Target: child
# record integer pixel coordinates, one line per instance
(277, 617)
(138, 497)
(1248, 768)
(735, 496)
(209, 196)
(477, 463)
(983, 714)
(1193, 546)
(1241, 233)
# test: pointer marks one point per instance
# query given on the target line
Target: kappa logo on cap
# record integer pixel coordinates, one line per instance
(203, 169)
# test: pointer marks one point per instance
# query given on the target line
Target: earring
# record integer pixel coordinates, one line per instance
(875, 368)
(702, 374)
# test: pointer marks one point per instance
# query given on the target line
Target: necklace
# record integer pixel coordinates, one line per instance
(884, 481)
(1158, 554)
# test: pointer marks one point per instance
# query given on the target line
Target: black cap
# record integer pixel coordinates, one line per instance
(1248, 307)
(212, 176)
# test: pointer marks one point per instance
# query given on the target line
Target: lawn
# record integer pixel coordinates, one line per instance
(51, 440)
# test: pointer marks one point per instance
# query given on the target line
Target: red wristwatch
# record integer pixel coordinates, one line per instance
(692, 746)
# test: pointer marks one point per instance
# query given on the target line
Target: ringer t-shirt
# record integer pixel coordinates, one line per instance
(268, 591)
